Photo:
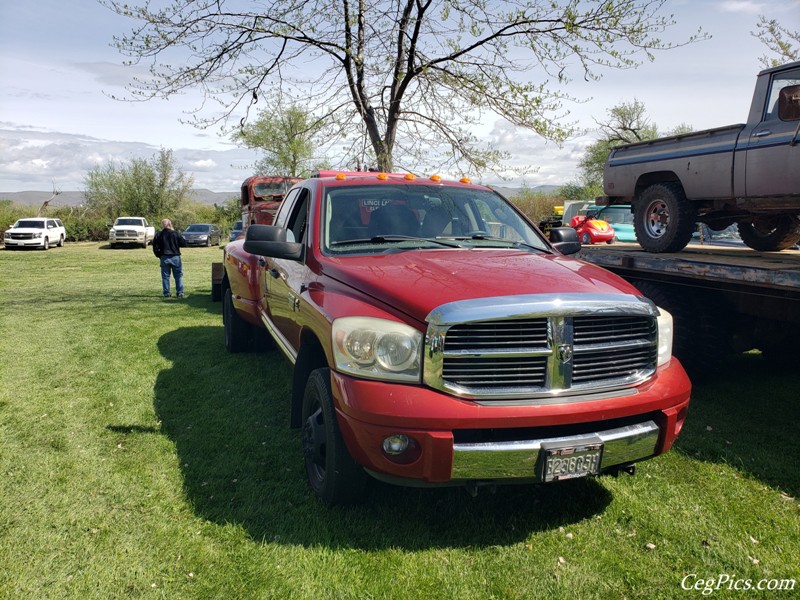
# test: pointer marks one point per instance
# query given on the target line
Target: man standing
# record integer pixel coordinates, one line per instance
(167, 246)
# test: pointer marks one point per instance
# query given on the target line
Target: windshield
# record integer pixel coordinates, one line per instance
(237, 225)
(373, 219)
(197, 229)
(616, 215)
(123, 221)
(270, 189)
(30, 224)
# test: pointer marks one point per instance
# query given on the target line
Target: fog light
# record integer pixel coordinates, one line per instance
(395, 444)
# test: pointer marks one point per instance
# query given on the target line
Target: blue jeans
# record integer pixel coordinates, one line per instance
(173, 264)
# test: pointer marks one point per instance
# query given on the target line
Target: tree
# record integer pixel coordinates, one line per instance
(410, 78)
(778, 40)
(286, 138)
(147, 188)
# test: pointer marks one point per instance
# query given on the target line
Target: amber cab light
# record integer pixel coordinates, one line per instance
(436, 178)
(382, 177)
(465, 180)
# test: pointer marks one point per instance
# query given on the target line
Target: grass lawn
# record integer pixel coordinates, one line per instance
(139, 459)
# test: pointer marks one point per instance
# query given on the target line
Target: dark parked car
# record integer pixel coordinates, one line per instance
(236, 231)
(202, 234)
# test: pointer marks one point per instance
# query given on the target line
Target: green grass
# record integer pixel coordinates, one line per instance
(139, 459)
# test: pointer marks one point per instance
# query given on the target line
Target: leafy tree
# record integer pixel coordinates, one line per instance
(286, 138)
(410, 79)
(149, 188)
(779, 40)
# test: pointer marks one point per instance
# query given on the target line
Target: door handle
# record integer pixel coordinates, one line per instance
(762, 133)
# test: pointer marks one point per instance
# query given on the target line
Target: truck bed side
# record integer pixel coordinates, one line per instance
(702, 161)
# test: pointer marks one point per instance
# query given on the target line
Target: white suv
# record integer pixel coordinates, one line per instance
(35, 232)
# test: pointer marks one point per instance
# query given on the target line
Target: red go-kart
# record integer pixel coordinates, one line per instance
(591, 230)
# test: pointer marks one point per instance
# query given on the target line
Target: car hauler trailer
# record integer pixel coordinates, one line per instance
(723, 299)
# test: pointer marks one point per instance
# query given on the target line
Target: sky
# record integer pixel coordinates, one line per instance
(58, 120)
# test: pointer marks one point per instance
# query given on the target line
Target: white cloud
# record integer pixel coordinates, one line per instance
(742, 6)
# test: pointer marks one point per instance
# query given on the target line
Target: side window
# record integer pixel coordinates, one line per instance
(298, 218)
(286, 208)
(779, 82)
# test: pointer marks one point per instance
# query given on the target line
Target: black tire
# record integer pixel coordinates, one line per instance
(699, 328)
(46, 244)
(770, 234)
(208, 242)
(61, 242)
(238, 332)
(663, 218)
(586, 239)
(332, 473)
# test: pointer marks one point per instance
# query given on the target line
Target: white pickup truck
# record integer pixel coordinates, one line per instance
(131, 230)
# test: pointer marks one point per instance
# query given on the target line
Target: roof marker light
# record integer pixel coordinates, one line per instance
(436, 177)
(409, 176)
(340, 176)
(465, 180)
(382, 177)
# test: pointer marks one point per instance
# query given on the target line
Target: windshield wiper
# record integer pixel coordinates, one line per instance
(491, 238)
(388, 239)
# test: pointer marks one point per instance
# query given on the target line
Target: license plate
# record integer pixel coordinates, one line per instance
(559, 461)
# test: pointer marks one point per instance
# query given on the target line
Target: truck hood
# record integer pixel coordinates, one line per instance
(27, 230)
(417, 282)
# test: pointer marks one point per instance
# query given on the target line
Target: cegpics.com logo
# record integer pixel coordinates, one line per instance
(708, 585)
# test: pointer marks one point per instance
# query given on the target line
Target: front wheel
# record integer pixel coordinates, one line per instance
(663, 218)
(586, 239)
(770, 234)
(61, 242)
(332, 473)
(46, 244)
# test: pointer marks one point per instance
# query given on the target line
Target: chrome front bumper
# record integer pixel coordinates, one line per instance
(520, 459)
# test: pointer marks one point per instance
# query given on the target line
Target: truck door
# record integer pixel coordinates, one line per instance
(773, 158)
(284, 279)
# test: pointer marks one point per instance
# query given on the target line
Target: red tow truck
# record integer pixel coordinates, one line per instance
(437, 338)
(261, 197)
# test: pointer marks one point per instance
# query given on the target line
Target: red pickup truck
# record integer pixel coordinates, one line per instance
(437, 338)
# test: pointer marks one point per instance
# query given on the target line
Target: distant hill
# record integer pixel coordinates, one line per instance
(34, 198)
(510, 192)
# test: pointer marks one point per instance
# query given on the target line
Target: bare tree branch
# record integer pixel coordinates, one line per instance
(395, 71)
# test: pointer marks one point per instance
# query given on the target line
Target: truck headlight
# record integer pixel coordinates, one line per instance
(664, 337)
(377, 348)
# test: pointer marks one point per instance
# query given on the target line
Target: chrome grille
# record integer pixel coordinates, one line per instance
(612, 347)
(517, 334)
(563, 350)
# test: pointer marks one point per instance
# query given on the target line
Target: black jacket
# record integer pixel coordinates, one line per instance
(168, 242)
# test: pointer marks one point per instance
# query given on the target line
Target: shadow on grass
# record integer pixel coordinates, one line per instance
(747, 417)
(228, 417)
